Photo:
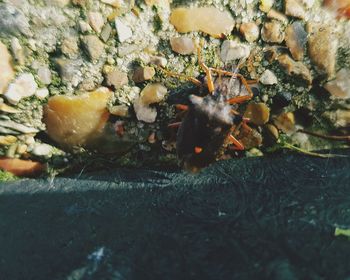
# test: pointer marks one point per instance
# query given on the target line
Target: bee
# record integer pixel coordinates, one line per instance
(210, 122)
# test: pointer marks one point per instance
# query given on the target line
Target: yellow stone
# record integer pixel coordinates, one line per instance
(209, 20)
(153, 93)
(285, 122)
(7, 140)
(258, 113)
(77, 120)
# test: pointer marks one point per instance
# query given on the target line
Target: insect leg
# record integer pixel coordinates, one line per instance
(174, 125)
(181, 76)
(238, 99)
(237, 144)
(206, 69)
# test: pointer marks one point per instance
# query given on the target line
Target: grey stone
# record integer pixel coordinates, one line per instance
(13, 21)
(296, 39)
(93, 46)
(106, 32)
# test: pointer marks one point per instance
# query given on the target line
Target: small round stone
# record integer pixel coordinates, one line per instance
(282, 99)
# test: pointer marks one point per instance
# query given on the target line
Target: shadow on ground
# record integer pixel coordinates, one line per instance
(255, 218)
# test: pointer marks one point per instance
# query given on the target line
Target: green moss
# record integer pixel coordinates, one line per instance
(6, 176)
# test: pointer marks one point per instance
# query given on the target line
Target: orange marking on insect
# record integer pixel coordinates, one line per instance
(181, 107)
(198, 150)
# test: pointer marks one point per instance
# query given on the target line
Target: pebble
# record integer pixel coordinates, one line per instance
(272, 32)
(258, 113)
(96, 21)
(119, 110)
(44, 75)
(7, 140)
(144, 112)
(323, 46)
(232, 50)
(59, 3)
(8, 109)
(250, 139)
(68, 68)
(182, 45)
(70, 46)
(153, 93)
(340, 86)
(266, 5)
(117, 78)
(295, 68)
(42, 93)
(124, 32)
(294, 8)
(84, 26)
(106, 32)
(273, 14)
(23, 86)
(195, 19)
(42, 150)
(250, 31)
(93, 46)
(17, 127)
(296, 39)
(142, 74)
(339, 118)
(17, 51)
(268, 78)
(76, 120)
(272, 132)
(282, 99)
(6, 74)
(286, 122)
(21, 149)
(158, 60)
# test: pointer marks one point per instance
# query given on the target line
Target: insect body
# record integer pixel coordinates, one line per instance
(207, 127)
(204, 132)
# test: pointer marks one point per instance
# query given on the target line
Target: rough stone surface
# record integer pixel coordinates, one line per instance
(93, 46)
(6, 73)
(70, 46)
(273, 14)
(294, 8)
(295, 68)
(250, 31)
(124, 32)
(272, 32)
(17, 51)
(13, 21)
(232, 50)
(117, 78)
(323, 46)
(96, 21)
(106, 32)
(182, 45)
(296, 39)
